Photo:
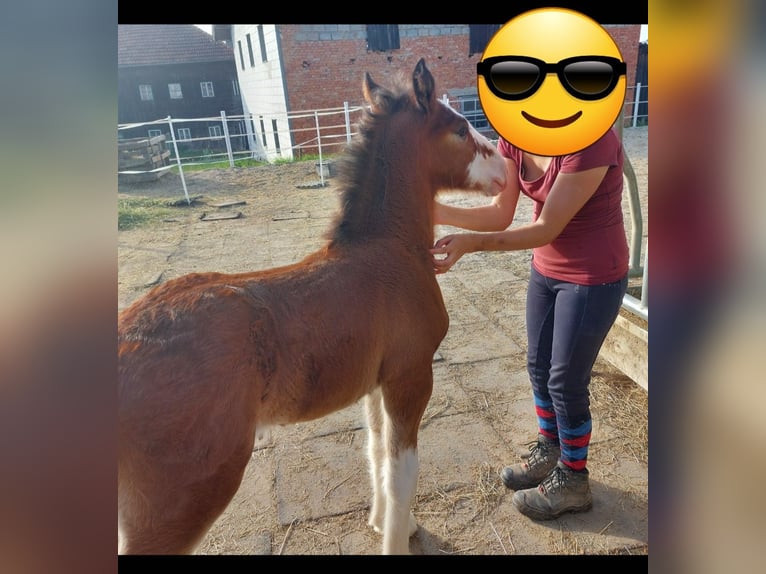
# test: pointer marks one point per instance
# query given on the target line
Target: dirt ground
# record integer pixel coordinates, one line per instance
(306, 490)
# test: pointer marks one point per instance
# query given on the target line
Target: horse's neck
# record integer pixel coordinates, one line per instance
(388, 202)
(401, 208)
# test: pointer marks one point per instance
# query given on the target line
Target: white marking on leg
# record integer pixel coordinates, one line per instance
(263, 433)
(401, 483)
(376, 457)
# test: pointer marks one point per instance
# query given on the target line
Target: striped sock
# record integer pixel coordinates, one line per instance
(574, 445)
(546, 419)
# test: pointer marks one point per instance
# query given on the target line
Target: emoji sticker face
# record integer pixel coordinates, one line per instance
(551, 81)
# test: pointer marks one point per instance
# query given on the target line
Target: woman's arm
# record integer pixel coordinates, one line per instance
(494, 216)
(568, 194)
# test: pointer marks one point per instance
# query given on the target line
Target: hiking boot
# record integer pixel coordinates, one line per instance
(563, 490)
(540, 461)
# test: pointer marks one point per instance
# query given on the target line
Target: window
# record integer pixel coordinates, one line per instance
(235, 87)
(276, 136)
(479, 37)
(263, 131)
(250, 51)
(215, 131)
(207, 89)
(184, 134)
(241, 57)
(175, 91)
(471, 108)
(154, 133)
(382, 37)
(262, 42)
(146, 92)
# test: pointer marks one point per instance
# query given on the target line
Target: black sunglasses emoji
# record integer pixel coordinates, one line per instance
(518, 77)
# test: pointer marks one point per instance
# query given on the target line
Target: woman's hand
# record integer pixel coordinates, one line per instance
(452, 248)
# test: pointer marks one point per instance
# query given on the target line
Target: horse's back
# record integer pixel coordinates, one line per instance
(329, 323)
(182, 364)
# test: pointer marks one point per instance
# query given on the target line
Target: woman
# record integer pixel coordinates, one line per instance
(578, 277)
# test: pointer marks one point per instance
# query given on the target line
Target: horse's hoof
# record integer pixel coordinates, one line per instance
(375, 527)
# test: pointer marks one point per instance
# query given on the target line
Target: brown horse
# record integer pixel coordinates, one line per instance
(208, 360)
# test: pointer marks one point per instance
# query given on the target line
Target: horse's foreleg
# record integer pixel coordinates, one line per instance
(403, 409)
(401, 484)
(376, 456)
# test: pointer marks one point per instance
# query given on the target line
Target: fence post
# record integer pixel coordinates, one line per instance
(636, 99)
(319, 147)
(226, 135)
(348, 122)
(178, 160)
(250, 128)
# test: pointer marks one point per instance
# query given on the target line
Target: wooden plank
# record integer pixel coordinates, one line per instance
(135, 143)
(285, 215)
(132, 152)
(137, 161)
(221, 216)
(140, 177)
(627, 348)
(133, 163)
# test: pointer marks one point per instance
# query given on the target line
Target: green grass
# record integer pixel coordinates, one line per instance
(134, 212)
(248, 162)
(221, 165)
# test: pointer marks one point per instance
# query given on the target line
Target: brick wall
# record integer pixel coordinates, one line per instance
(627, 39)
(323, 64)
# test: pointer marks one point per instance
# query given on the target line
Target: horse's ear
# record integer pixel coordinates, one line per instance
(377, 96)
(423, 85)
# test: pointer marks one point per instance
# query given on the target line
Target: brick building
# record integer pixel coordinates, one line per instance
(301, 67)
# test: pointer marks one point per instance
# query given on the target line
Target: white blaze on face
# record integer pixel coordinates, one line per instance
(487, 169)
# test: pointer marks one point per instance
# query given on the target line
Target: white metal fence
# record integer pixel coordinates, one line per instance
(636, 108)
(251, 136)
(271, 137)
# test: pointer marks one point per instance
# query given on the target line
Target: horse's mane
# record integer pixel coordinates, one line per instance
(361, 197)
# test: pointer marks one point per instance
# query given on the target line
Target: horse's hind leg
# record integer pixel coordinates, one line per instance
(376, 454)
(170, 513)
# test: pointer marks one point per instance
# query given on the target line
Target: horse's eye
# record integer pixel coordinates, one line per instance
(463, 131)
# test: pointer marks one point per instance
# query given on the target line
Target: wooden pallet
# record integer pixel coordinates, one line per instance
(142, 156)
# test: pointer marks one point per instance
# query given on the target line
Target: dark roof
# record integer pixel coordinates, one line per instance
(155, 44)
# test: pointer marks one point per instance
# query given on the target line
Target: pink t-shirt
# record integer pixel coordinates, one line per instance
(592, 248)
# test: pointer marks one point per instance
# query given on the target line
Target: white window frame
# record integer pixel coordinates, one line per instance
(215, 131)
(184, 134)
(175, 91)
(154, 133)
(470, 107)
(250, 50)
(262, 42)
(145, 91)
(207, 89)
(241, 57)
(235, 87)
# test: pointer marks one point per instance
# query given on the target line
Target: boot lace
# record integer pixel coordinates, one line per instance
(538, 453)
(555, 481)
